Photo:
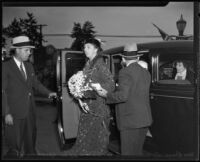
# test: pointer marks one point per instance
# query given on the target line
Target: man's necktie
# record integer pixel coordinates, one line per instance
(22, 71)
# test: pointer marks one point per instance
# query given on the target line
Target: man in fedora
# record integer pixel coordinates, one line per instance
(133, 113)
(18, 82)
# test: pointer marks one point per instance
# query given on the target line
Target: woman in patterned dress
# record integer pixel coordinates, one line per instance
(93, 132)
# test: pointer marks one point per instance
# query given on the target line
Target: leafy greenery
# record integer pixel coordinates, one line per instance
(81, 34)
(28, 27)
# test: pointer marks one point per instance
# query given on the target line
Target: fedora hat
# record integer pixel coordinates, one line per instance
(131, 50)
(21, 41)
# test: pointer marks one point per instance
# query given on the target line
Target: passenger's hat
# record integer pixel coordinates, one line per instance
(131, 50)
(21, 41)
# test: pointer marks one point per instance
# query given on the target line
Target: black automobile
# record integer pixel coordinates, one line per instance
(174, 127)
(172, 101)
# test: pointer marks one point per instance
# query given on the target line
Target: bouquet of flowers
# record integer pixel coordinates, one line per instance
(78, 86)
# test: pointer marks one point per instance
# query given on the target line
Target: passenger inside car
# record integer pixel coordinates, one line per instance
(183, 72)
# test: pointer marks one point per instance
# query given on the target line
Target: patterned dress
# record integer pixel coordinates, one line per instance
(93, 133)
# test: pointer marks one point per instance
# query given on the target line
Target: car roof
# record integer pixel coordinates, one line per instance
(183, 46)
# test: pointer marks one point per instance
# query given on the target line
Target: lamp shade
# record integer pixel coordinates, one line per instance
(181, 23)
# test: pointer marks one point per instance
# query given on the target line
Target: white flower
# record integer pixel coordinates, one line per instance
(77, 85)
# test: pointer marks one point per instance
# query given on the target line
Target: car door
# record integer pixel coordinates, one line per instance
(68, 63)
(172, 103)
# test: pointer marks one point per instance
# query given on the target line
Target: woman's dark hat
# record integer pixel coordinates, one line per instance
(21, 41)
(93, 41)
(131, 51)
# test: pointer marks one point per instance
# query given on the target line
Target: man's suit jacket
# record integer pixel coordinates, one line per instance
(132, 98)
(17, 93)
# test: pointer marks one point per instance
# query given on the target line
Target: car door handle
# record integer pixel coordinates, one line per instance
(151, 96)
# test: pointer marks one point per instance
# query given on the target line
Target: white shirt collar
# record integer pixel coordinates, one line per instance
(182, 74)
(17, 61)
(18, 64)
(132, 61)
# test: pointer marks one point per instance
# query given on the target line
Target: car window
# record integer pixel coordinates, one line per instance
(117, 64)
(73, 64)
(168, 74)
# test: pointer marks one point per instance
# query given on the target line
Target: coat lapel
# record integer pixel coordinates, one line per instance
(16, 70)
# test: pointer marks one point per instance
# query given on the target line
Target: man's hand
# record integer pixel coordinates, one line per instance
(102, 92)
(9, 119)
(52, 95)
(98, 88)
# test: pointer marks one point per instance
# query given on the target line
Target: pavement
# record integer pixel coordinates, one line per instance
(47, 137)
(47, 143)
